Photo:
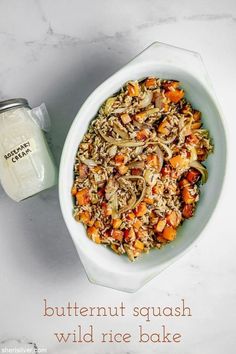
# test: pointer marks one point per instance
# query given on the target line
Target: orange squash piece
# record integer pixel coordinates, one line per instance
(123, 169)
(188, 211)
(117, 235)
(157, 189)
(183, 183)
(125, 118)
(164, 127)
(193, 175)
(139, 245)
(92, 231)
(169, 233)
(187, 196)
(91, 222)
(133, 89)
(73, 191)
(175, 95)
(160, 225)
(98, 224)
(119, 159)
(173, 219)
(137, 224)
(97, 240)
(153, 160)
(150, 82)
(141, 135)
(107, 210)
(131, 216)
(171, 84)
(192, 139)
(116, 223)
(141, 116)
(141, 209)
(161, 239)
(196, 115)
(128, 234)
(82, 196)
(178, 161)
(149, 200)
(84, 217)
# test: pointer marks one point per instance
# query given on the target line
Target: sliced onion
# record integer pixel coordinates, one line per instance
(132, 200)
(160, 157)
(181, 122)
(159, 103)
(204, 133)
(112, 151)
(152, 111)
(129, 252)
(150, 177)
(193, 154)
(137, 124)
(138, 150)
(186, 130)
(167, 150)
(147, 100)
(143, 191)
(198, 166)
(108, 104)
(119, 110)
(167, 141)
(114, 206)
(141, 125)
(88, 162)
(136, 164)
(131, 204)
(120, 132)
(147, 113)
(111, 188)
(128, 143)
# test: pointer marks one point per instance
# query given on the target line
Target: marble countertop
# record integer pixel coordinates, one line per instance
(57, 52)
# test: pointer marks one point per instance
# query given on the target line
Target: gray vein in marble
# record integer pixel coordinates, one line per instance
(210, 17)
(65, 39)
(57, 39)
(40, 9)
(8, 35)
(158, 21)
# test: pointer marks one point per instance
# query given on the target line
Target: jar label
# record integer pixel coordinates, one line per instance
(20, 151)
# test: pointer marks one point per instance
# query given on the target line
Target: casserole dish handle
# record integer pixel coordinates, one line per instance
(164, 54)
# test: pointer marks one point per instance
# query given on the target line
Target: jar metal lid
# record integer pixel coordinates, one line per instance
(13, 103)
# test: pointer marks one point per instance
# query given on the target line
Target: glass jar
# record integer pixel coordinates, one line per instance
(26, 163)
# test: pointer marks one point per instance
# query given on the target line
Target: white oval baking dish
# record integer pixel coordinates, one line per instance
(102, 265)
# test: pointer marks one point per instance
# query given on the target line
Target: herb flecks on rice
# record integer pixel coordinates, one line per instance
(138, 168)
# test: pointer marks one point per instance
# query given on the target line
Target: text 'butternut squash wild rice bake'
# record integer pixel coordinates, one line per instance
(139, 166)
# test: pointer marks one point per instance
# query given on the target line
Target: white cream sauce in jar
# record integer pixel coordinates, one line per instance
(26, 163)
